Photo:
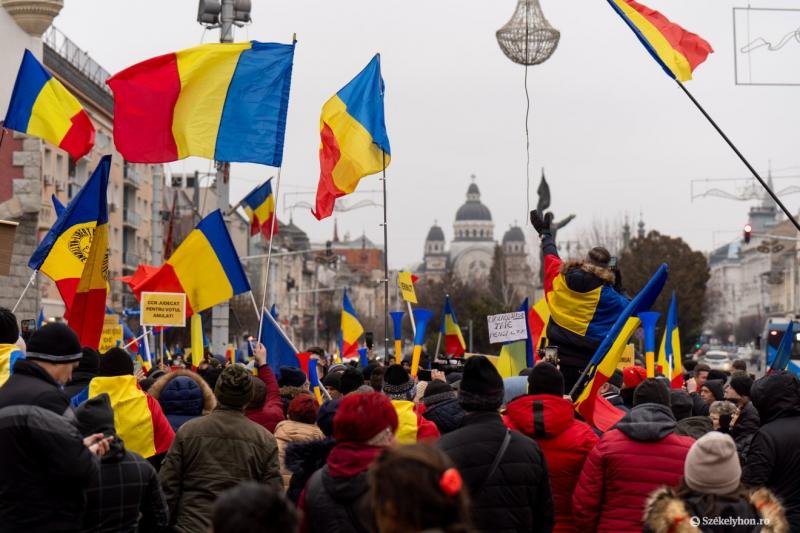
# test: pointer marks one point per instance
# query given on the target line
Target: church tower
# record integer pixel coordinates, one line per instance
(435, 257)
(515, 254)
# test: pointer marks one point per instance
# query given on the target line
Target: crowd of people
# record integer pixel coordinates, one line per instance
(89, 443)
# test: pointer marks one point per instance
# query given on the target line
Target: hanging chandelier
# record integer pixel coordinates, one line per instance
(528, 38)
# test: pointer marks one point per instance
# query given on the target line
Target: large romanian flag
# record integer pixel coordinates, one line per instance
(354, 139)
(42, 107)
(678, 51)
(260, 208)
(453, 339)
(669, 355)
(222, 101)
(351, 329)
(538, 318)
(605, 360)
(67, 247)
(138, 417)
(205, 266)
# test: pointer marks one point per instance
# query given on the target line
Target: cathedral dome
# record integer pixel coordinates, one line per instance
(435, 234)
(473, 209)
(514, 234)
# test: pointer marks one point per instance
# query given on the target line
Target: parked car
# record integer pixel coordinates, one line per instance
(717, 360)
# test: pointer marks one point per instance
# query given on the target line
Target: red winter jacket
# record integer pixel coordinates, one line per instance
(272, 411)
(565, 442)
(638, 456)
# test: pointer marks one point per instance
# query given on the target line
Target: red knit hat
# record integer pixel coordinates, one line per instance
(303, 408)
(633, 375)
(362, 416)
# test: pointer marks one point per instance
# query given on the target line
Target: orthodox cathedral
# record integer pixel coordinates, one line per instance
(471, 253)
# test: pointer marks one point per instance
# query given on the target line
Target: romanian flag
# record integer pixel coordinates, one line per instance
(538, 318)
(351, 329)
(9, 353)
(138, 417)
(313, 380)
(197, 339)
(588, 403)
(205, 266)
(221, 101)
(42, 107)
(669, 355)
(230, 354)
(280, 350)
(67, 247)
(260, 208)
(678, 51)
(354, 139)
(453, 339)
(516, 355)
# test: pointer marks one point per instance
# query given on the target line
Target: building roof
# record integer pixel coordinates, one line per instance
(473, 209)
(514, 234)
(435, 234)
(728, 251)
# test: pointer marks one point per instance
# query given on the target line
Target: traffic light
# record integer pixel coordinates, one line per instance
(748, 232)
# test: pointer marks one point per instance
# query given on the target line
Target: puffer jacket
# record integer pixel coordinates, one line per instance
(302, 459)
(273, 410)
(447, 414)
(565, 443)
(30, 384)
(773, 460)
(639, 455)
(667, 511)
(290, 431)
(517, 497)
(211, 454)
(183, 395)
(44, 469)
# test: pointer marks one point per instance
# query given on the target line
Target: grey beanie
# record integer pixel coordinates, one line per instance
(712, 465)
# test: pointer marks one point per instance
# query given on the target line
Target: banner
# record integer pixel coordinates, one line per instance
(405, 280)
(111, 336)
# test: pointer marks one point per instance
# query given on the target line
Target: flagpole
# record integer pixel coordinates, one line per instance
(386, 269)
(739, 154)
(269, 254)
(28, 286)
(140, 337)
(255, 305)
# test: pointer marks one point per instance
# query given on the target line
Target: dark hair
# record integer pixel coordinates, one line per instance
(407, 495)
(526, 372)
(352, 378)
(251, 507)
(376, 378)
(9, 329)
(599, 256)
(701, 367)
(740, 364)
(689, 365)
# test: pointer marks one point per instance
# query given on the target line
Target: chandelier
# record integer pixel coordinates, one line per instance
(528, 38)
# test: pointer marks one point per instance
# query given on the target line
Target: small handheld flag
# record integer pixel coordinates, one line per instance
(351, 328)
(260, 208)
(453, 338)
(42, 107)
(669, 355)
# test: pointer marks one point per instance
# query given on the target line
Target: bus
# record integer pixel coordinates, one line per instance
(773, 334)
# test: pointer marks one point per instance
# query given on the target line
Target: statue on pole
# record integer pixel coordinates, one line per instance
(543, 202)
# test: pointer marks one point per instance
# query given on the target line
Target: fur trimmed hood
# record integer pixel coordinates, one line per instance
(209, 400)
(665, 512)
(606, 275)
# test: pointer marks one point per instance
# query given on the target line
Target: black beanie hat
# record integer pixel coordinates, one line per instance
(325, 416)
(116, 362)
(352, 378)
(651, 390)
(481, 387)
(95, 415)
(333, 380)
(234, 387)
(546, 379)
(715, 386)
(9, 329)
(437, 391)
(742, 383)
(54, 343)
(291, 377)
(680, 403)
(369, 369)
(718, 375)
(90, 362)
(397, 383)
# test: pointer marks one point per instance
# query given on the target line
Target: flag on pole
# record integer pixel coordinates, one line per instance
(221, 101)
(313, 380)
(516, 355)
(351, 329)
(280, 350)
(669, 354)
(538, 318)
(40, 106)
(64, 252)
(260, 208)
(607, 355)
(197, 339)
(783, 356)
(453, 339)
(205, 266)
(678, 51)
(274, 311)
(41, 320)
(354, 138)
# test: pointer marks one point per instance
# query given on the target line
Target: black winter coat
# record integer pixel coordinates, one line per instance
(44, 469)
(773, 460)
(744, 430)
(80, 380)
(338, 505)
(447, 415)
(30, 384)
(302, 459)
(517, 497)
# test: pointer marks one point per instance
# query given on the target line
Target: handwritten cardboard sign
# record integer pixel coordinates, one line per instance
(507, 327)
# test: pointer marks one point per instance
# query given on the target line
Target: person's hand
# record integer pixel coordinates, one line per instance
(438, 374)
(260, 354)
(691, 385)
(541, 224)
(139, 374)
(97, 444)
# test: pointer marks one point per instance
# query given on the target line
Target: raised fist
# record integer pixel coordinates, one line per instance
(541, 225)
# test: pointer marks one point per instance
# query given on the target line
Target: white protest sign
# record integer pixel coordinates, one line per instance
(507, 327)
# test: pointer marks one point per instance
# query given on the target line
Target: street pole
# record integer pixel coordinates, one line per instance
(386, 270)
(220, 313)
(470, 337)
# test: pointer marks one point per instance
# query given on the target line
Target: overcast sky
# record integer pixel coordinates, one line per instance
(614, 133)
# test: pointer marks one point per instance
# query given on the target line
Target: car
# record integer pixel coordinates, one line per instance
(717, 360)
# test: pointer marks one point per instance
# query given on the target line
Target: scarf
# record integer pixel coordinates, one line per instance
(348, 459)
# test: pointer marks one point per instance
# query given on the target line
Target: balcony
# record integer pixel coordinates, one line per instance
(131, 177)
(130, 218)
(130, 260)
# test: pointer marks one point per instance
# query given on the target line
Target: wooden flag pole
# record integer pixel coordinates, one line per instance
(739, 154)
(28, 286)
(269, 255)
(385, 268)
